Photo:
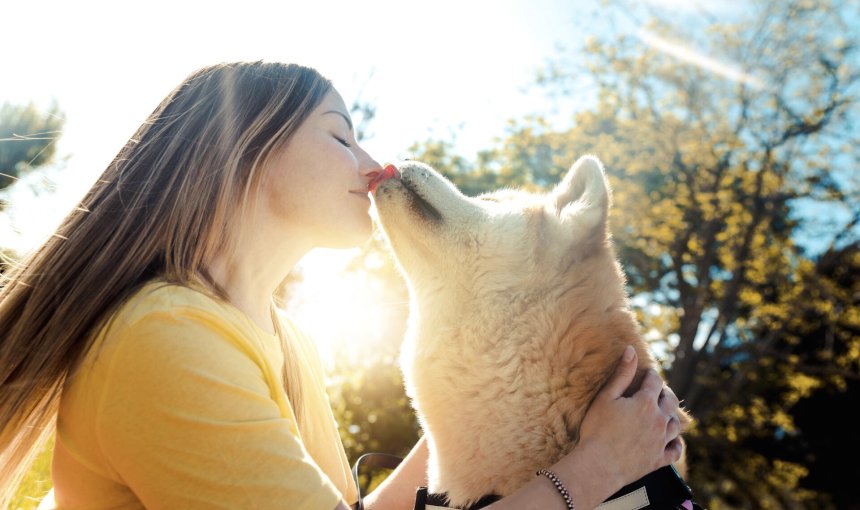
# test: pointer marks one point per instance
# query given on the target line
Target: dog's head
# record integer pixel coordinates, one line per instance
(507, 238)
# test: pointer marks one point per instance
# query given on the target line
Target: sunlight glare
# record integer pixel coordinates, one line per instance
(691, 56)
(348, 313)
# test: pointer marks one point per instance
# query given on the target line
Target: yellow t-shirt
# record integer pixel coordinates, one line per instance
(180, 404)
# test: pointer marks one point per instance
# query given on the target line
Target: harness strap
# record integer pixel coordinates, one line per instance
(663, 489)
(660, 489)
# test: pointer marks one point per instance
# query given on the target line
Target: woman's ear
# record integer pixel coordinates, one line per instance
(581, 199)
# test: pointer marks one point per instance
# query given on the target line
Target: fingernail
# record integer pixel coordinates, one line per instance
(628, 353)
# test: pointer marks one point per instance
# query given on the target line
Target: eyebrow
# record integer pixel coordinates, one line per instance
(343, 115)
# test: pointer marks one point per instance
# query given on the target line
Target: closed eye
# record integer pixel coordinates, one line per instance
(342, 141)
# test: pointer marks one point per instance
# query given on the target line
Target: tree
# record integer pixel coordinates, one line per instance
(810, 364)
(715, 167)
(27, 136)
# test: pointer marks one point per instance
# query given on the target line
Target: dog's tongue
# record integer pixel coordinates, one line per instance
(389, 172)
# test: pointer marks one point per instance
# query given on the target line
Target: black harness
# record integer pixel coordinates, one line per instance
(663, 489)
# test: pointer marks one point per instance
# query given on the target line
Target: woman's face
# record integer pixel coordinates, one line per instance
(316, 186)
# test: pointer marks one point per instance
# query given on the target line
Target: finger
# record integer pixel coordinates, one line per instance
(673, 451)
(652, 384)
(668, 400)
(623, 375)
(673, 427)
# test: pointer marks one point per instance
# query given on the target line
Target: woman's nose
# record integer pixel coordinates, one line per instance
(369, 167)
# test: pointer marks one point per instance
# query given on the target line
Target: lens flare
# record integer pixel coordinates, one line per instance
(686, 54)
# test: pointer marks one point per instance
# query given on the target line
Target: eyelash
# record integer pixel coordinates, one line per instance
(343, 142)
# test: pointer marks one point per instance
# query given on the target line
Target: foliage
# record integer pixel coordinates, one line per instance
(713, 170)
(27, 137)
(373, 412)
(730, 147)
(37, 482)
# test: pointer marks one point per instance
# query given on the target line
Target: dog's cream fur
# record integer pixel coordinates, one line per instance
(518, 317)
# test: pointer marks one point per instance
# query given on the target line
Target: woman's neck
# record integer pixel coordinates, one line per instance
(252, 277)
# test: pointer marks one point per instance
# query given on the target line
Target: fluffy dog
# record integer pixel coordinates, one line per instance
(518, 317)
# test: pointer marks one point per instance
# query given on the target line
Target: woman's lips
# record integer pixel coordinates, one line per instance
(377, 178)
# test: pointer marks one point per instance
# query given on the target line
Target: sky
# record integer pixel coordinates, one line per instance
(449, 69)
(430, 68)
(442, 69)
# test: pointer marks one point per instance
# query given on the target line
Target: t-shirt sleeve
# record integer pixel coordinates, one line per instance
(187, 421)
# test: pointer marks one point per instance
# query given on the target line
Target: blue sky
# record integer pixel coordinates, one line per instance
(431, 69)
(450, 69)
(445, 69)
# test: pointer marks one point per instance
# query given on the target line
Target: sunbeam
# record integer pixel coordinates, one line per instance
(691, 56)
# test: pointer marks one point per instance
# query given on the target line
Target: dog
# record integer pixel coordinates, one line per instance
(518, 317)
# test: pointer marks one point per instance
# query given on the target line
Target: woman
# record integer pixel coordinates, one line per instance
(146, 324)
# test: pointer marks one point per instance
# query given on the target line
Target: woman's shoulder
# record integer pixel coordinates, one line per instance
(177, 322)
(159, 295)
(160, 299)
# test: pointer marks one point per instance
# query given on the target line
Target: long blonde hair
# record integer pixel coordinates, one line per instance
(161, 208)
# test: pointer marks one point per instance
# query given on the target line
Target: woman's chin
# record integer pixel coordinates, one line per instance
(351, 239)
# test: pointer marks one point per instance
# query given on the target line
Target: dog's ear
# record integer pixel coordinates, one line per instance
(582, 198)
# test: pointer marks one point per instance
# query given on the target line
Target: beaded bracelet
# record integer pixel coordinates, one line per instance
(558, 485)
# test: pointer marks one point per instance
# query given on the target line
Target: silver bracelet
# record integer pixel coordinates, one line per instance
(558, 485)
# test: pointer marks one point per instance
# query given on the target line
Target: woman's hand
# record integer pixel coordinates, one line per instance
(621, 440)
(635, 434)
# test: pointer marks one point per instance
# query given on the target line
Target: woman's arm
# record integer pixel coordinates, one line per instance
(585, 474)
(397, 492)
(621, 440)
(593, 484)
